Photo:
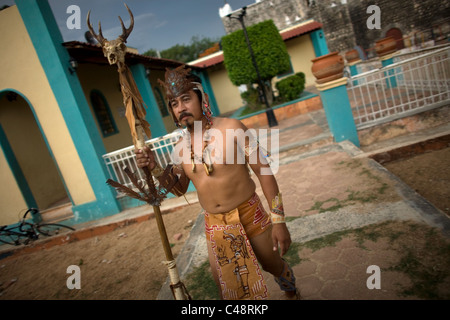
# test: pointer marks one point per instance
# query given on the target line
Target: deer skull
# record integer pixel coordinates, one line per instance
(113, 50)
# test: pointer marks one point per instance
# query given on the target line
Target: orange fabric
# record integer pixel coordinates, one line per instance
(134, 104)
(237, 267)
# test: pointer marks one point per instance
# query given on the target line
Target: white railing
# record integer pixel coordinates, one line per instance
(409, 53)
(401, 89)
(115, 161)
(368, 65)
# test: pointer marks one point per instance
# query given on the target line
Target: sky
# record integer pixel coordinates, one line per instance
(158, 24)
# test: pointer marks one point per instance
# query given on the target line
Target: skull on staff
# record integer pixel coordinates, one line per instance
(114, 50)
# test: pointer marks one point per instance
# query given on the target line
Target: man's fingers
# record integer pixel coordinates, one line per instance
(144, 158)
(274, 244)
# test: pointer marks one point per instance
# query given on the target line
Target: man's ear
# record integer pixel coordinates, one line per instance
(207, 98)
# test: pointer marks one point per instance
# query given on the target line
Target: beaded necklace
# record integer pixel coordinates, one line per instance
(206, 137)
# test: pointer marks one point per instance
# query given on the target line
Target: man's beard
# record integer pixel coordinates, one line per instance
(189, 124)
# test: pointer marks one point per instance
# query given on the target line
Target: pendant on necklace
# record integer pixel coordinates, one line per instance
(206, 168)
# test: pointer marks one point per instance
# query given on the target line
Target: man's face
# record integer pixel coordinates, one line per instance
(187, 109)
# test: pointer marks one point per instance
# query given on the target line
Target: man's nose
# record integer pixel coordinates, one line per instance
(181, 107)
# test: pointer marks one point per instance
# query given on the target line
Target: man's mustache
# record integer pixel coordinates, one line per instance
(185, 114)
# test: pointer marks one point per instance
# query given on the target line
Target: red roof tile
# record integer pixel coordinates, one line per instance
(298, 31)
(216, 59)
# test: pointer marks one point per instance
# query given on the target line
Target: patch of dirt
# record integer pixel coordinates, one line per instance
(428, 174)
(123, 264)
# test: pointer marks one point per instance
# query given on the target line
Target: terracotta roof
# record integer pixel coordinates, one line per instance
(299, 30)
(208, 61)
(286, 34)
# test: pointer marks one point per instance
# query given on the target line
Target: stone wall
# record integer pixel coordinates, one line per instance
(337, 24)
(416, 19)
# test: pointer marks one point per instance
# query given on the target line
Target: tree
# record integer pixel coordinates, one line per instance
(184, 53)
(268, 47)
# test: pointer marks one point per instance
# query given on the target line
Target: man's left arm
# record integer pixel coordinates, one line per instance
(256, 157)
(280, 234)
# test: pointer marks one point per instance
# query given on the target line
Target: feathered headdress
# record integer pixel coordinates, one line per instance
(179, 81)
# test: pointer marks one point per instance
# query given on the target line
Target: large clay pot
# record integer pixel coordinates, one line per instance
(352, 55)
(328, 67)
(385, 46)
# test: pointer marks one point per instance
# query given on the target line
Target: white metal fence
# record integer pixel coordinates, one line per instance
(401, 89)
(115, 161)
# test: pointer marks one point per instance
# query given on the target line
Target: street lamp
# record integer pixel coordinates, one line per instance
(269, 112)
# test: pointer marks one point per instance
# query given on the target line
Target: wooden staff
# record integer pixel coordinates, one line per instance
(135, 112)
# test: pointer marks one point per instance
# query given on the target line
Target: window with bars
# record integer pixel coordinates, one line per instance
(160, 101)
(103, 114)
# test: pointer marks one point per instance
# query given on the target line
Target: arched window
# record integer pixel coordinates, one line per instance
(161, 103)
(397, 35)
(103, 114)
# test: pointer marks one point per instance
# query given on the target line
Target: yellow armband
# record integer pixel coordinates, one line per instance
(277, 211)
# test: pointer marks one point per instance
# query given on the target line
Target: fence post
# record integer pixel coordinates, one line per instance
(387, 60)
(338, 111)
(354, 69)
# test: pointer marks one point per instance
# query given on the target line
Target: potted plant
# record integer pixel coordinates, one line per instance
(352, 55)
(385, 46)
(328, 67)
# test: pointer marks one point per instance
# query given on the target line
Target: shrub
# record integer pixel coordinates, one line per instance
(251, 97)
(269, 49)
(291, 87)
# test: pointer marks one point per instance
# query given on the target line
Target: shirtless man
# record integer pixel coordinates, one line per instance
(223, 186)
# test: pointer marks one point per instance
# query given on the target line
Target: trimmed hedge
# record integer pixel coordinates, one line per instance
(268, 47)
(291, 87)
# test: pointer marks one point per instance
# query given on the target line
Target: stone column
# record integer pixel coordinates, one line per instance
(338, 111)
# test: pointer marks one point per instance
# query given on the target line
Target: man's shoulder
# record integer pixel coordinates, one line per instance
(229, 123)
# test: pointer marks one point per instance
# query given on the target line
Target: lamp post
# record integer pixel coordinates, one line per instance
(269, 112)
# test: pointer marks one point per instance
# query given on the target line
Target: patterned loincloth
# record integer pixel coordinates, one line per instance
(237, 267)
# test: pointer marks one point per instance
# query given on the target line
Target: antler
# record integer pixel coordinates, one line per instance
(126, 32)
(98, 36)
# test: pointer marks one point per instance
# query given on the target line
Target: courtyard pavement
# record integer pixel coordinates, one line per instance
(334, 194)
(351, 221)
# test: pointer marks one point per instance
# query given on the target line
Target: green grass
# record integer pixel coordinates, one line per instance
(201, 285)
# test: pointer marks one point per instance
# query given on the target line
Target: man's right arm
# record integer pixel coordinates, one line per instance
(145, 158)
